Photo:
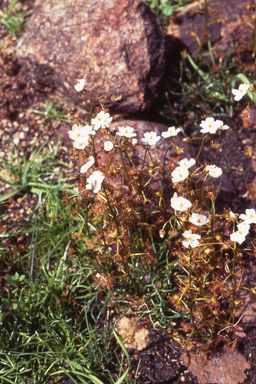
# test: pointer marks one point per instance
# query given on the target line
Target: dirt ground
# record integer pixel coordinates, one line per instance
(161, 360)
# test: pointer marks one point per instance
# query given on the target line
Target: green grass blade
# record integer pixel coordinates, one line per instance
(119, 381)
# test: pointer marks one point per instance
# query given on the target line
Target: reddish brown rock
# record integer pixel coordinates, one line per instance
(227, 368)
(190, 28)
(228, 23)
(136, 337)
(117, 46)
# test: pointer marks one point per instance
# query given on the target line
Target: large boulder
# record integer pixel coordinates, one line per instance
(117, 46)
(229, 24)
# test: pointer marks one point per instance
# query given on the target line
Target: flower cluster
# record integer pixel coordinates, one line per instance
(209, 125)
(181, 204)
(181, 172)
(243, 228)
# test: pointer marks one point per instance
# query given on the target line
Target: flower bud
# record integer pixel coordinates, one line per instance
(233, 216)
(179, 150)
(162, 233)
(215, 145)
(173, 233)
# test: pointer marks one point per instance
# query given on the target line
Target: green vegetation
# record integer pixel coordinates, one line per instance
(52, 113)
(14, 19)
(165, 8)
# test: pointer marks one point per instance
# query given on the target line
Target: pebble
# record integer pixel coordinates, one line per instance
(15, 124)
(16, 140)
(22, 135)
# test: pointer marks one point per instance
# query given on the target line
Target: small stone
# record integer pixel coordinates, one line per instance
(22, 135)
(16, 140)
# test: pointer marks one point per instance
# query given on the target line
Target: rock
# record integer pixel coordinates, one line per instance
(189, 27)
(228, 368)
(136, 337)
(228, 24)
(117, 46)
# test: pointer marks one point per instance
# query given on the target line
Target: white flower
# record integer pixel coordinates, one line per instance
(172, 131)
(102, 120)
(191, 239)
(134, 141)
(94, 181)
(249, 217)
(79, 133)
(126, 131)
(213, 171)
(88, 129)
(151, 138)
(108, 145)
(162, 233)
(87, 165)
(187, 163)
(80, 144)
(209, 125)
(240, 92)
(222, 126)
(180, 203)
(179, 174)
(239, 236)
(80, 85)
(198, 219)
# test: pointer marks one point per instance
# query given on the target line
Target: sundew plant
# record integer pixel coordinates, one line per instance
(166, 249)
